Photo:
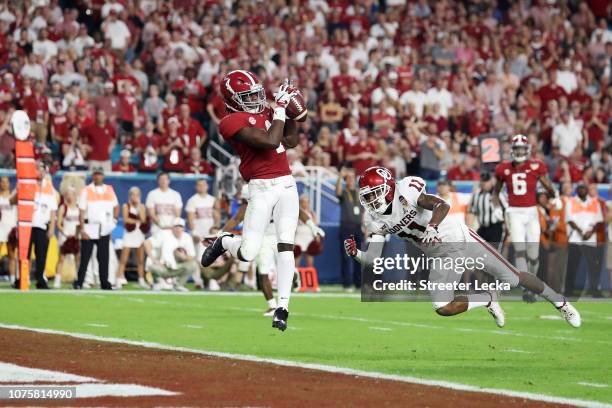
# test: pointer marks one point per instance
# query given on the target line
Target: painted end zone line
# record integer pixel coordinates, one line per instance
(322, 367)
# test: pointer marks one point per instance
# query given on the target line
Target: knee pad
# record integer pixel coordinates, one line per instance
(249, 250)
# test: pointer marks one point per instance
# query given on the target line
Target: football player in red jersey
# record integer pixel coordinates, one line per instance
(521, 176)
(260, 134)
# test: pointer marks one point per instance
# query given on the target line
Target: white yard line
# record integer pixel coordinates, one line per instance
(519, 351)
(326, 368)
(96, 325)
(594, 385)
(192, 326)
(380, 328)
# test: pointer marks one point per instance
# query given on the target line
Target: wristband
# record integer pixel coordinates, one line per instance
(279, 114)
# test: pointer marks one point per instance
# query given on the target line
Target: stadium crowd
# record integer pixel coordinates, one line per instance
(409, 84)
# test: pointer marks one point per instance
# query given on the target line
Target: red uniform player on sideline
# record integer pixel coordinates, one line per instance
(260, 134)
(521, 176)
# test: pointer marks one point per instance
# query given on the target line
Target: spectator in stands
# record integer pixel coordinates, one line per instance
(108, 102)
(351, 215)
(100, 138)
(195, 164)
(74, 151)
(432, 150)
(163, 204)
(362, 154)
(134, 216)
(124, 164)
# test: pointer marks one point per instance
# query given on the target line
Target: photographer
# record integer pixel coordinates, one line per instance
(350, 224)
(171, 254)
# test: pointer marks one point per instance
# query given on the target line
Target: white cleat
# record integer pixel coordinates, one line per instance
(270, 312)
(570, 314)
(496, 311)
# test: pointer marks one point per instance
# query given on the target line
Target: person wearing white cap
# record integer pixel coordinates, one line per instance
(171, 254)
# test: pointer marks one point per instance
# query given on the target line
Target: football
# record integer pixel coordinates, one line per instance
(296, 109)
(180, 254)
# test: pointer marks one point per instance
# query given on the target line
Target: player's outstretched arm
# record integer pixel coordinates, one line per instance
(367, 257)
(259, 138)
(290, 135)
(436, 205)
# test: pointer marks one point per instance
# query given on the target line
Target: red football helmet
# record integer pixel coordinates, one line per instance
(243, 92)
(520, 148)
(376, 189)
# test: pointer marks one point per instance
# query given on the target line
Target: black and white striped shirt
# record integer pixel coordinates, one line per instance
(482, 207)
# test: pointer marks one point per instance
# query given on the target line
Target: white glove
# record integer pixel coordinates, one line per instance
(316, 230)
(284, 94)
(431, 235)
(556, 202)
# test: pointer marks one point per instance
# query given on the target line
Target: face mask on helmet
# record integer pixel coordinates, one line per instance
(251, 101)
(520, 153)
(373, 198)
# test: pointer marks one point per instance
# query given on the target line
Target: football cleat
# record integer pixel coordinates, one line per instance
(280, 319)
(214, 250)
(570, 314)
(496, 311)
(270, 312)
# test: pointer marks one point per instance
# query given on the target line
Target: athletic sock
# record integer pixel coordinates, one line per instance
(142, 281)
(12, 278)
(232, 244)
(553, 297)
(521, 264)
(243, 266)
(533, 265)
(479, 300)
(272, 303)
(285, 267)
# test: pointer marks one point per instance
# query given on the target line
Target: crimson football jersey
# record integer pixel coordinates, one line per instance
(521, 181)
(254, 163)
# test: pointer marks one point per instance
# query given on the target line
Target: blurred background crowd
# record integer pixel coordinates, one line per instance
(133, 85)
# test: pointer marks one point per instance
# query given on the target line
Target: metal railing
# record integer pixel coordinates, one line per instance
(319, 182)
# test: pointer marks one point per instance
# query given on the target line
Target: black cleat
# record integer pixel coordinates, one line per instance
(42, 285)
(214, 250)
(529, 296)
(280, 319)
(76, 285)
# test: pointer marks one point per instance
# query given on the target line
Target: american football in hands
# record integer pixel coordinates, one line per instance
(296, 109)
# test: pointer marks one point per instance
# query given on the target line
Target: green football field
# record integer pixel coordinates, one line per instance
(536, 352)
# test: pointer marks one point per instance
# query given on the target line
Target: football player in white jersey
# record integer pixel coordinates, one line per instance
(406, 210)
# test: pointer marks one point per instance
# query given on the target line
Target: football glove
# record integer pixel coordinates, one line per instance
(430, 236)
(284, 94)
(350, 246)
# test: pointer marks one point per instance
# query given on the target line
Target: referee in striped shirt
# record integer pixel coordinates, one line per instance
(490, 218)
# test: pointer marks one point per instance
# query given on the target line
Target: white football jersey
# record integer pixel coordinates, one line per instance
(407, 220)
(203, 207)
(165, 203)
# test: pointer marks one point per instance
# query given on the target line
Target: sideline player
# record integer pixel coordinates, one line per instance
(521, 176)
(406, 210)
(260, 134)
(266, 257)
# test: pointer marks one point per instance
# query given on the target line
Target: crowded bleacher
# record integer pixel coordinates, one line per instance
(408, 84)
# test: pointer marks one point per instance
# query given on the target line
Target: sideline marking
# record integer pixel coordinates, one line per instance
(10, 373)
(380, 328)
(192, 326)
(96, 324)
(324, 367)
(519, 351)
(595, 385)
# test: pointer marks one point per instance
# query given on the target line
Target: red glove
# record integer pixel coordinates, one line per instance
(350, 246)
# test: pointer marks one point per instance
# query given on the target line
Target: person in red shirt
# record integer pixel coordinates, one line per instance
(37, 108)
(174, 148)
(100, 138)
(596, 126)
(128, 110)
(124, 165)
(362, 154)
(550, 91)
(216, 111)
(83, 119)
(190, 129)
(463, 172)
(170, 111)
(191, 91)
(196, 164)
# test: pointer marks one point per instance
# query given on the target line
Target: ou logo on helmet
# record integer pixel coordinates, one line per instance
(384, 173)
